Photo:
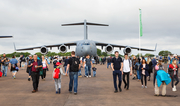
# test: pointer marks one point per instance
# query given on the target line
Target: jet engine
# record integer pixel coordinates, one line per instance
(127, 50)
(63, 49)
(44, 50)
(109, 49)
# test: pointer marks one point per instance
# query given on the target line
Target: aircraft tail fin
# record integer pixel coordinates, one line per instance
(155, 47)
(85, 23)
(15, 47)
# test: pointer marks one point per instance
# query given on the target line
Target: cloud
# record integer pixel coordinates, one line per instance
(35, 23)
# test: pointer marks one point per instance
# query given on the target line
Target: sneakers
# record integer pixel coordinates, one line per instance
(86, 76)
(75, 93)
(134, 78)
(174, 89)
(115, 91)
(14, 77)
(142, 86)
(79, 76)
(89, 76)
(57, 92)
(145, 86)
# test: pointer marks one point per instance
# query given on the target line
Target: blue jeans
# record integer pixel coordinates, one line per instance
(65, 67)
(94, 73)
(108, 64)
(4, 70)
(79, 72)
(138, 74)
(88, 70)
(73, 76)
(115, 74)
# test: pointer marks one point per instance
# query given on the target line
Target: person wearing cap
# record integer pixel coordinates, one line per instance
(55, 61)
(12, 66)
(57, 80)
(28, 69)
(35, 66)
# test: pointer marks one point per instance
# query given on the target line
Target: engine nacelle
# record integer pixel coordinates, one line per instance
(44, 50)
(127, 50)
(63, 49)
(109, 49)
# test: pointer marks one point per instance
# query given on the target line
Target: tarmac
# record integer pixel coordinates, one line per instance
(94, 91)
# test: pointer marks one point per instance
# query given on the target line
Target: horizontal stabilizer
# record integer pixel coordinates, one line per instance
(6, 36)
(87, 23)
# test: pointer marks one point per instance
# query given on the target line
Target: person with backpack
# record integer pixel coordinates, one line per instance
(28, 68)
(73, 67)
(173, 71)
(88, 63)
(55, 61)
(5, 62)
(117, 71)
(137, 65)
(108, 62)
(57, 77)
(45, 67)
(144, 72)
(22, 62)
(13, 66)
(35, 67)
(127, 70)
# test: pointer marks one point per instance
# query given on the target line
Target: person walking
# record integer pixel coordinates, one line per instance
(35, 67)
(5, 62)
(13, 66)
(73, 67)
(28, 68)
(137, 65)
(150, 65)
(133, 67)
(144, 72)
(127, 70)
(45, 67)
(57, 77)
(65, 64)
(89, 64)
(117, 70)
(109, 62)
(173, 71)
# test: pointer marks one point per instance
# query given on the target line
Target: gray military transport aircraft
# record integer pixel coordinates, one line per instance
(85, 47)
(6, 36)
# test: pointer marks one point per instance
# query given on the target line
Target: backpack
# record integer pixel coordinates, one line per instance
(136, 67)
(75, 65)
(56, 74)
(1, 74)
(130, 63)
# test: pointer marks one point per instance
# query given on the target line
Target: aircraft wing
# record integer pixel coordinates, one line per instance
(48, 46)
(123, 46)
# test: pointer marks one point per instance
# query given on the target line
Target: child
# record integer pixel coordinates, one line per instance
(57, 77)
(94, 70)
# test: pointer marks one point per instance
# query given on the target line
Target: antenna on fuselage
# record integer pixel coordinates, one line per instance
(85, 23)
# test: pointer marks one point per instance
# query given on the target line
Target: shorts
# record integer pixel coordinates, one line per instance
(14, 71)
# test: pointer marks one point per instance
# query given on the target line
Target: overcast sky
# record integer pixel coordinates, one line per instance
(38, 22)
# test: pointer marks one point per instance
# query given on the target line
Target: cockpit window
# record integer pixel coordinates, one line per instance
(86, 43)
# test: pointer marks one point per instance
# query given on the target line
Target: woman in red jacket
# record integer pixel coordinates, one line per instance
(173, 71)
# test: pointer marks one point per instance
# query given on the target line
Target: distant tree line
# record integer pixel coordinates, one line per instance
(99, 53)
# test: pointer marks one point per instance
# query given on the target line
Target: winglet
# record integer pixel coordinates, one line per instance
(14, 47)
(155, 47)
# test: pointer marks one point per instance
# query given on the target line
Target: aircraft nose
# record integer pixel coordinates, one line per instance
(86, 50)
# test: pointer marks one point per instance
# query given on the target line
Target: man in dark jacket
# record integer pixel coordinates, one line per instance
(35, 66)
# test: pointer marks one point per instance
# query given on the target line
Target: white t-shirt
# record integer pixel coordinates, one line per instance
(126, 67)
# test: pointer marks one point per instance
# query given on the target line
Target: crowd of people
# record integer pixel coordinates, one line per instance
(141, 68)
